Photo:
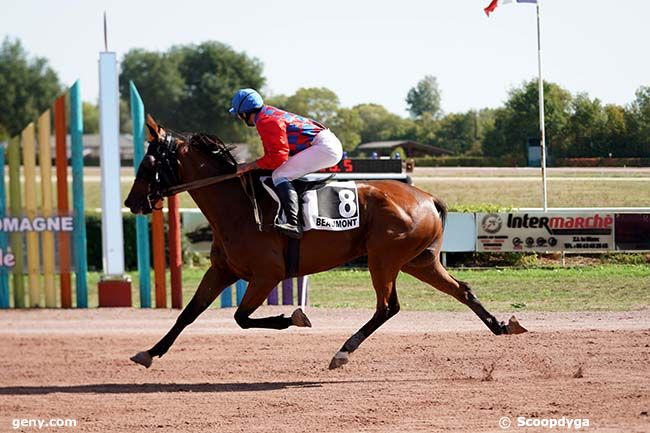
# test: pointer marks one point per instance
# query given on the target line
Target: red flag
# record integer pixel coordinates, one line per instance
(491, 7)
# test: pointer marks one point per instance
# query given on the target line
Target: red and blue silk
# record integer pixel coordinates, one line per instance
(283, 135)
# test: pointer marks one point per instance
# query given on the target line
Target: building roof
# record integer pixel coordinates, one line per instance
(385, 145)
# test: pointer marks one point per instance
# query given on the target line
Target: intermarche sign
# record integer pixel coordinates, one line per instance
(540, 232)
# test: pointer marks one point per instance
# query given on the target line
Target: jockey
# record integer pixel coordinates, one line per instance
(293, 147)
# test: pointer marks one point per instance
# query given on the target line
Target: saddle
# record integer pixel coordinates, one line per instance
(260, 182)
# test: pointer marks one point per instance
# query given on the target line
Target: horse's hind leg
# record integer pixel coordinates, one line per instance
(213, 283)
(427, 268)
(383, 280)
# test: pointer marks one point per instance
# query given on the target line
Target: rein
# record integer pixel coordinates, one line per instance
(197, 184)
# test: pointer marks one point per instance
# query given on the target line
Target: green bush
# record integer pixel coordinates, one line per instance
(94, 241)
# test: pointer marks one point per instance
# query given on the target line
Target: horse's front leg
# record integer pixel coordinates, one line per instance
(258, 290)
(212, 284)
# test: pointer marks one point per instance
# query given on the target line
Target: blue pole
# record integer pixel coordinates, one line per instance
(141, 221)
(4, 275)
(241, 286)
(226, 297)
(79, 234)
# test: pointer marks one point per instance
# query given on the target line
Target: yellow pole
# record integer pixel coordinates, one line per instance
(45, 162)
(33, 262)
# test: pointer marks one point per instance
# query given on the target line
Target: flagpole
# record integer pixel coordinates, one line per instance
(542, 134)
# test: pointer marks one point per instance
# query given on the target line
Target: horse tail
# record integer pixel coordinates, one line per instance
(441, 207)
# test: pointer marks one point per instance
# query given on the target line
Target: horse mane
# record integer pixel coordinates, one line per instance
(215, 147)
(212, 146)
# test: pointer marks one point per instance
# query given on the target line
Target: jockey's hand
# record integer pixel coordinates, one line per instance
(244, 168)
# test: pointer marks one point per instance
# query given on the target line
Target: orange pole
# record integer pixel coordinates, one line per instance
(63, 204)
(175, 253)
(158, 241)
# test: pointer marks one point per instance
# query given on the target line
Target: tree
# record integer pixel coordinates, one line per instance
(29, 87)
(378, 124)
(456, 132)
(91, 118)
(424, 97)
(347, 125)
(639, 121)
(519, 120)
(586, 127)
(616, 130)
(190, 87)
(319, 103)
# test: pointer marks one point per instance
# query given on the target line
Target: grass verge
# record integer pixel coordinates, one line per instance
(589, 288)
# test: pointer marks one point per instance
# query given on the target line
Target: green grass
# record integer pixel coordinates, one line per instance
(593, 288)
(589, 288)
(527, 192)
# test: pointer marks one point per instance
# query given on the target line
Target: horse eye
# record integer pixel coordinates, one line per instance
(149, 161)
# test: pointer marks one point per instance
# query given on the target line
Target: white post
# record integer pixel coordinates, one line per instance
(542, 132)
(109, 130)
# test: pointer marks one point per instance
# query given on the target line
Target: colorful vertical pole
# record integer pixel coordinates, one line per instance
(78, 205)
(287, 291)
(240, 287)
(141, 221)
(175, 252)
(33, 252)
(158, 244)
(226, 297)
(114, 288)
(45, 163)
(4, 275)
(15, 205)
(273, 296)
(303, 289)
(63, 205)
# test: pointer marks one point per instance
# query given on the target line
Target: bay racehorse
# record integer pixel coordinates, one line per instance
(400, 229)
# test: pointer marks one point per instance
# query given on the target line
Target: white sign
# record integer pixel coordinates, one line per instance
(545, 231)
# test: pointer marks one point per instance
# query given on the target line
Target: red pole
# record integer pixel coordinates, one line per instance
(158, 241)
(62, 199)
(175, 252)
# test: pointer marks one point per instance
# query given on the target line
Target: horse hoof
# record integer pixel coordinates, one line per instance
(299, 318)
(339, 360)
(514, 327)
(142, 358)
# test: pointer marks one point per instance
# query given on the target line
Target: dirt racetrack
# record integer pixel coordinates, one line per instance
(422, 372)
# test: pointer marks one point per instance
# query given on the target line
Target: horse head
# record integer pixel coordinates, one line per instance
(157, 171)
(173, 159)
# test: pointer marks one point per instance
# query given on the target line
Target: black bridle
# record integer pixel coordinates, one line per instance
(165, 168)
(166, 181)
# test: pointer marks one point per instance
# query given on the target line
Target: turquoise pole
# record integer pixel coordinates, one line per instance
(4, 275)
(241, 286)
(141, 221)
(79, 244)
(226, 297)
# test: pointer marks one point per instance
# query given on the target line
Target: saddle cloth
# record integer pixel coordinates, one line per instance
(333, 206)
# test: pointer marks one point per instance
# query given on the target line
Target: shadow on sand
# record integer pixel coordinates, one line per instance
(145, 388)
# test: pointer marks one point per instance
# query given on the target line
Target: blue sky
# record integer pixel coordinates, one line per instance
(365, 51)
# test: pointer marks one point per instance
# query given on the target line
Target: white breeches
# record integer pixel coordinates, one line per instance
(325, 151)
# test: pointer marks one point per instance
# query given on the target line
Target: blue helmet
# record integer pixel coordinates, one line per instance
(245, 101)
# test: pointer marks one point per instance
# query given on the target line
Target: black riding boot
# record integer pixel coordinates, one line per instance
(290, 205)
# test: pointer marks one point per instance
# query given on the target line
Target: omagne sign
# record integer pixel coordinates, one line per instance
(540, 231)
